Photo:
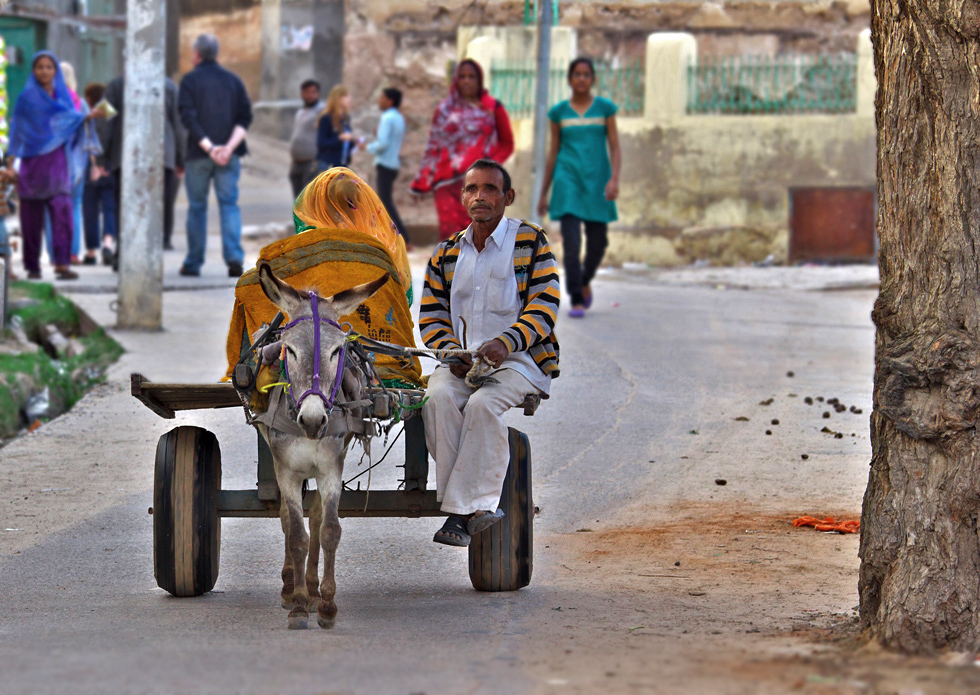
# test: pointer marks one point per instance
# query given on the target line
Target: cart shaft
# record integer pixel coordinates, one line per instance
(413, 504)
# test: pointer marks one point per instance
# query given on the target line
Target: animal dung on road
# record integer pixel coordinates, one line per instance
(808, 400)
(768, 401)
(826, 414)
(775, 421)
(768, 431)
(721, 481)
(790, 374)
(804, 456)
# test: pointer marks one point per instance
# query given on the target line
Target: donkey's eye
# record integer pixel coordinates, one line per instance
(336, 351)
(290, 352)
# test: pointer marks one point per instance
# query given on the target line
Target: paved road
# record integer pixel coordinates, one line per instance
(652, 363)
(641, 423)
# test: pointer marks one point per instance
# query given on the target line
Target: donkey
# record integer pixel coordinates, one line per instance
(313, 355)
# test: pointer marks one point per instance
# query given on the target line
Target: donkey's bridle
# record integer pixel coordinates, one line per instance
(314, 389)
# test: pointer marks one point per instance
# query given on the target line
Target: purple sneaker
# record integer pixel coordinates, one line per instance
(576, 313)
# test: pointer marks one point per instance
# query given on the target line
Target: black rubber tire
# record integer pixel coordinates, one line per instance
(186, 526)
(501, 557)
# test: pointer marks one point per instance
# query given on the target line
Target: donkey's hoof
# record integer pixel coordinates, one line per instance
(286, 602)
(326, 614)
(297, 620)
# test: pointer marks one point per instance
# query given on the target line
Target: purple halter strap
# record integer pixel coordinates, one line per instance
(314, 389)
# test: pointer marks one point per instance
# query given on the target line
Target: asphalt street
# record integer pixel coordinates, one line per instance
(643, 419)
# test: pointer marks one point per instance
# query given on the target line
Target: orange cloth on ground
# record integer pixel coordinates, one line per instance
(347, 240)
(829, 524)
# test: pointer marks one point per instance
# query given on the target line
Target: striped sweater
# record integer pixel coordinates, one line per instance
(537, 283)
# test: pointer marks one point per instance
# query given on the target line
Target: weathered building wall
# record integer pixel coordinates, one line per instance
(238, 30)
(412, 44)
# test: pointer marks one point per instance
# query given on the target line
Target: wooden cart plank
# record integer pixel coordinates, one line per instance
(166, 399)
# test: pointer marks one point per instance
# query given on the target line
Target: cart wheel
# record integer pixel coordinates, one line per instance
(501, 556)
(186, 527)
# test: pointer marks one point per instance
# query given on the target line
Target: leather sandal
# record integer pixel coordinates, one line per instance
(453, 532)
(481, 521)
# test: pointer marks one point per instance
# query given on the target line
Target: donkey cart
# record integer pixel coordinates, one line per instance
(188, 501)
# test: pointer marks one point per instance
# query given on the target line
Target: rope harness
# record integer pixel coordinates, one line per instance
(355, 356)
(314, 389)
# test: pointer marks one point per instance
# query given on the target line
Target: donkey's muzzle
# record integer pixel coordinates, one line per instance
(312, 424)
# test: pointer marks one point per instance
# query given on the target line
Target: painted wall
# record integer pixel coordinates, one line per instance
(712, 187)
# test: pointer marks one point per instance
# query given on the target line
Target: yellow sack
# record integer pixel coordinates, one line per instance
(331, 261)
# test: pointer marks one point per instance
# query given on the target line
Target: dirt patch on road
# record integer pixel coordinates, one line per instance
(717, 599)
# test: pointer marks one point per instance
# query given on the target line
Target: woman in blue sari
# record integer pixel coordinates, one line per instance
(47, 133)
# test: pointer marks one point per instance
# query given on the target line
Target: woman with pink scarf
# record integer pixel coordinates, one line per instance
(467, 125)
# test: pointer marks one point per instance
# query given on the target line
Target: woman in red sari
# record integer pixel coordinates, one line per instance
(468, 125)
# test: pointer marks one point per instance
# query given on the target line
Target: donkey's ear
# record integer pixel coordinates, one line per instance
(286, 299)
(348, 300)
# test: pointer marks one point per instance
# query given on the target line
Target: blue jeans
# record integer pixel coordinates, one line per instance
(199, 173)
(99, 201)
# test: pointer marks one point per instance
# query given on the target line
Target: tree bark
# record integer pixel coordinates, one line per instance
(920, 550)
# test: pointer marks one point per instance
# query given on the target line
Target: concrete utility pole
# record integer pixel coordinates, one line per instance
(141, 228)
(271, 37)
(329, 27)
(541, 106)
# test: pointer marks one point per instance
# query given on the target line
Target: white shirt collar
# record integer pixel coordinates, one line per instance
(498, 234)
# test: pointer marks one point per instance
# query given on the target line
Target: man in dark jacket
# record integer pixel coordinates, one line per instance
(173, 149)
(216, 111)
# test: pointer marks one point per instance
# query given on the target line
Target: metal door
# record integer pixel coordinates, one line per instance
(24, 38)
(94, 59)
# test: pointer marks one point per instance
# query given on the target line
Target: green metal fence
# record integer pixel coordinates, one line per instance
(783, 84)
(513, 83)
(531, 8)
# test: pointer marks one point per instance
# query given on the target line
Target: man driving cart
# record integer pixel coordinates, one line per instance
(493, 285)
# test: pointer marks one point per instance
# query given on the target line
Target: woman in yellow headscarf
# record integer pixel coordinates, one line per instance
(339, 199)
(344, 238)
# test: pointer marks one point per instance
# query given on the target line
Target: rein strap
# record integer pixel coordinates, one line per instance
(314, 389)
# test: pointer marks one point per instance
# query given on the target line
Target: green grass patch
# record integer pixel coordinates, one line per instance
(50, 308)
(69, 378)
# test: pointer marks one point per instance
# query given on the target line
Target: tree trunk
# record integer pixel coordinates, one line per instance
(920, 551)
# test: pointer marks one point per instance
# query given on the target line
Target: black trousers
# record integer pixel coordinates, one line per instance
(169, 199)
(577, 273)
(386, 183)
(300, 174)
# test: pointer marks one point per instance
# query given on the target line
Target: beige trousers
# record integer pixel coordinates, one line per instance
(466, 435)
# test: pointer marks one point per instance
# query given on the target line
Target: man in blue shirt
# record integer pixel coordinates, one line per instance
(216, 111)
(386, 149)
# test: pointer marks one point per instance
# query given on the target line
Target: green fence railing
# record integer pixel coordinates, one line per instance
(531, 11)
(782, 84)
(513, 83)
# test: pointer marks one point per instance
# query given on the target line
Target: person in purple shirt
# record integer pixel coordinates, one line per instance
(47, 133)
